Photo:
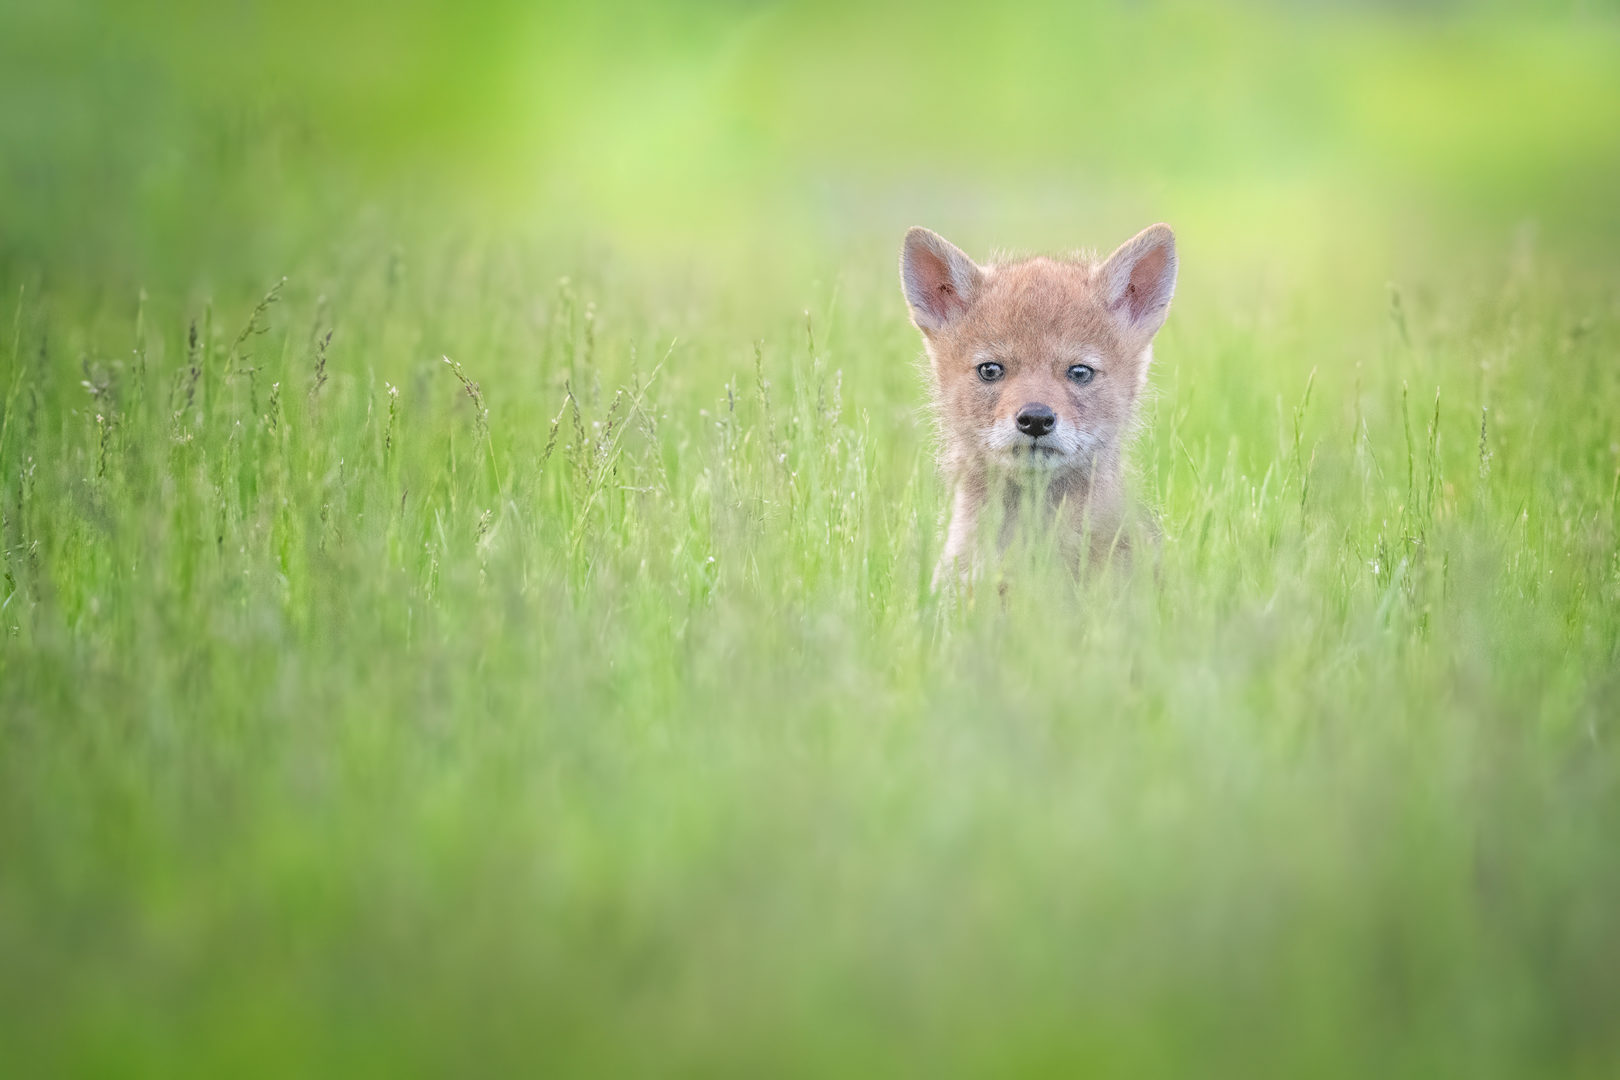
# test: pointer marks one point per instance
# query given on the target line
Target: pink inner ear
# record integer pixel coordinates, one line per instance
(948, 303)
(930, 286)
(1145, 290)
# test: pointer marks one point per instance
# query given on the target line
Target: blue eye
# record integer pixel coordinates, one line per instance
(1082, 373)
(991, 371)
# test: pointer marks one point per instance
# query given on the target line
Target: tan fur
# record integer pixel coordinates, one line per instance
(1037, 317)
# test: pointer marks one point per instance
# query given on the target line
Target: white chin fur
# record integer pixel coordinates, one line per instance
(1040, 461)
(1062, 449)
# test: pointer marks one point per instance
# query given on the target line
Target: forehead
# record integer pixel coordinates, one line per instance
(1041, 303)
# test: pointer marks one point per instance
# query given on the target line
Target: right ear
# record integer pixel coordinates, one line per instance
(1139, 279)
(940, 282)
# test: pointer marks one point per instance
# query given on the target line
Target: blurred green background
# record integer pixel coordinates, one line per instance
(198, 129)
(594, 716)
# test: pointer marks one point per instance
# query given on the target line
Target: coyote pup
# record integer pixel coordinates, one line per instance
(1038, 365)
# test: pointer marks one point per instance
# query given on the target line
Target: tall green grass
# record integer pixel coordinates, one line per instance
(472, 615)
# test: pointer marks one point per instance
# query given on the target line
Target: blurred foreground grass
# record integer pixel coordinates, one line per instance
(596, 716)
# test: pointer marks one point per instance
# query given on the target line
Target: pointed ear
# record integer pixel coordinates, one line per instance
(940, 282)
(1139, 279)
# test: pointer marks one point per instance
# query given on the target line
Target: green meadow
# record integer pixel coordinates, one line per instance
(467, 507)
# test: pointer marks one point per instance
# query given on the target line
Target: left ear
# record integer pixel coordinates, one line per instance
(1139, 279)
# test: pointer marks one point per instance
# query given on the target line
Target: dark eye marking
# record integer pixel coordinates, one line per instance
(990, 371)
(1082, 373)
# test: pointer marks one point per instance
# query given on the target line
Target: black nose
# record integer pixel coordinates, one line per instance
(1036, 419)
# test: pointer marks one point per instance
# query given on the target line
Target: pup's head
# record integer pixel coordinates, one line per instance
(1038, 364)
